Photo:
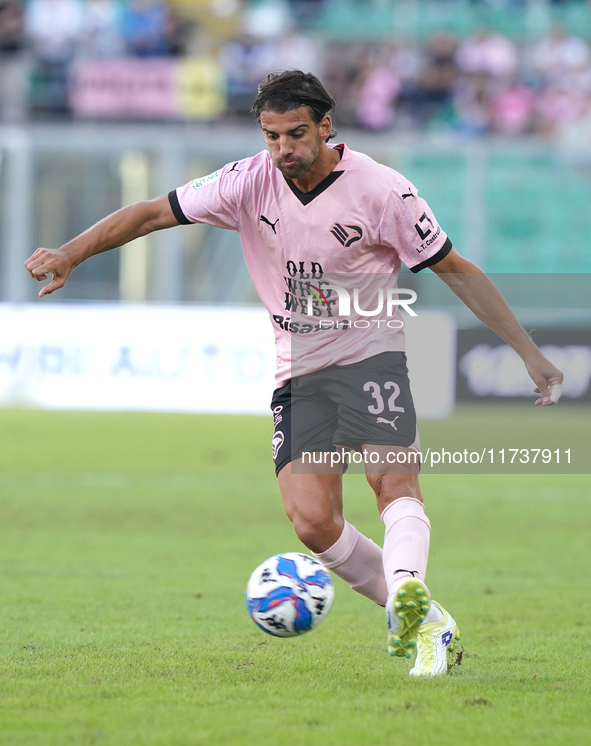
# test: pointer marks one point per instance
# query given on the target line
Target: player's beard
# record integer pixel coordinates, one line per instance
(301, 165)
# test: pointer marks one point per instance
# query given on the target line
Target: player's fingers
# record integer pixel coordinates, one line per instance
(543, 383)
(55, 284)
(36, 258)
(550, 389)
(41, 263)
(544, 399)
(32, 258)
(38, 269)
(548, 397)
(41, 274)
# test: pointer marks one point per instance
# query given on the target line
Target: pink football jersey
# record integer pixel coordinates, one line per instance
(325, 263)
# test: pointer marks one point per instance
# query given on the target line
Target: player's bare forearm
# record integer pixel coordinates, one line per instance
(485, 300)
(111, 232)
(120, 228)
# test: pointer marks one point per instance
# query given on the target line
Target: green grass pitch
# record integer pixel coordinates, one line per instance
(125, 544)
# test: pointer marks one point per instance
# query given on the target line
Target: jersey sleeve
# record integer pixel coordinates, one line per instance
(213, 199)
(409, 227)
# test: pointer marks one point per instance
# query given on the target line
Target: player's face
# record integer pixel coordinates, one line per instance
(294, 139)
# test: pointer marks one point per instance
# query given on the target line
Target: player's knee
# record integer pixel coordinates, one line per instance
(317, 531)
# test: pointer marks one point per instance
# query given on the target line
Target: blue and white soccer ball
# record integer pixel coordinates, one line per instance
(289, 594)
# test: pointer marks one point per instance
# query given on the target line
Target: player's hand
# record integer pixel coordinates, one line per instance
(548, 380)
(54, 262)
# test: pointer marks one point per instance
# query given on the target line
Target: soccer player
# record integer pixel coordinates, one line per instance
(321, 225)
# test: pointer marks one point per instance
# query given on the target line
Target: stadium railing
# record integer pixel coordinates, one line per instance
(378, 19)
(515, 207)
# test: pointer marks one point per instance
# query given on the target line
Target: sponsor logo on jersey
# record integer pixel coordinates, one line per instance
(277, 416)
(419, 229)
(347, 235)
(204, 180)
(425, 233)
(430, 240)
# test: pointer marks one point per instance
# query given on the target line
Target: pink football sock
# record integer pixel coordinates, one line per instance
(357, 560)
(406, 543)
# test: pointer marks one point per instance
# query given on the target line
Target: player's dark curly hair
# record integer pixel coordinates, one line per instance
(288, 90)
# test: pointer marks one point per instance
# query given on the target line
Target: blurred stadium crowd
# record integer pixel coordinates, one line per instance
(480, 83)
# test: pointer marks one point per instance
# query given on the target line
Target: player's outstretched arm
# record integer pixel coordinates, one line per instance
(115, 230)
(484, 299)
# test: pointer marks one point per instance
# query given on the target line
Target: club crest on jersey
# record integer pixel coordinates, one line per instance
(277, 441)
(203, 180)
(347, 235)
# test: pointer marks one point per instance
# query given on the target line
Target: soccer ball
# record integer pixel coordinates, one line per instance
(289, 594)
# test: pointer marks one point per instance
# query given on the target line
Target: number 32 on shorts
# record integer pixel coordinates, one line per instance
(376, 393)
